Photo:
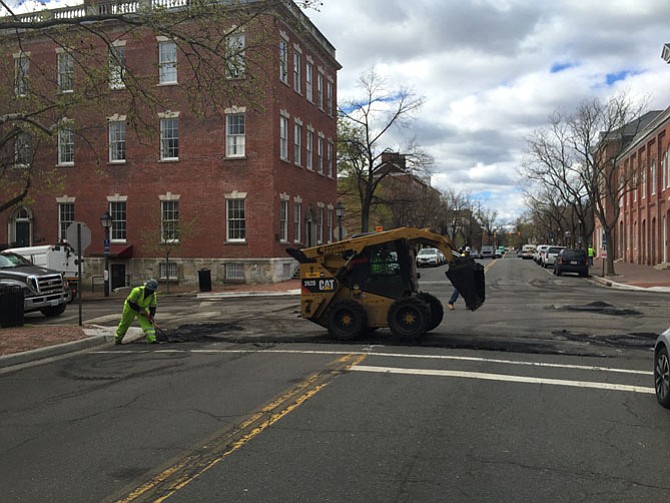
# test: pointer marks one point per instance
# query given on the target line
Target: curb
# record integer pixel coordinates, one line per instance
(223, 295)
(623, 286)
(50, 351)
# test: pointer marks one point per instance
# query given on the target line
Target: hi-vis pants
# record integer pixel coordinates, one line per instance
(127, 318)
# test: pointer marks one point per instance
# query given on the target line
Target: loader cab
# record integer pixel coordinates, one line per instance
(386, 269)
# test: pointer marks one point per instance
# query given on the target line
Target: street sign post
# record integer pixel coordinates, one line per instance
(78, 235)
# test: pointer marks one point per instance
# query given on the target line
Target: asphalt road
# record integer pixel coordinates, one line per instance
(281, 416)
(527, 309)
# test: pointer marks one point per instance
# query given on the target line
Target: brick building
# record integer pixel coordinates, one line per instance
(224, 187)
(642, 230)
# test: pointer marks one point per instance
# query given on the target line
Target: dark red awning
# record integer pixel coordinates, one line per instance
(115, 251)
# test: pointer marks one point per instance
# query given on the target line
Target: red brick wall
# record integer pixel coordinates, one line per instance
(202, 176)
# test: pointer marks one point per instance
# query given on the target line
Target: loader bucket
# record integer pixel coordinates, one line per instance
(467, 276)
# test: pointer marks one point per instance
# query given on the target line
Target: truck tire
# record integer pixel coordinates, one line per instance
(436, 310)
(408, 317)
(346, 320)
(52, 311)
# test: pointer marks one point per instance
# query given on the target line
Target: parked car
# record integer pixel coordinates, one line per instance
(43, 289)
(430, 257)
(572, 260)
(662, 369)
(550, 255)
(488, 252)
(526, 251)
(500, 252)
(539, 251)
(474, 253)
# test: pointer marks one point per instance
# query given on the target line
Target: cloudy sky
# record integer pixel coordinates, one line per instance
(491, 71)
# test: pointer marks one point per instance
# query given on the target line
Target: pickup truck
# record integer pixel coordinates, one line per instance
(44, 290)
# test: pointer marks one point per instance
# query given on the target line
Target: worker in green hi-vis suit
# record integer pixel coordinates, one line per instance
(140, 304)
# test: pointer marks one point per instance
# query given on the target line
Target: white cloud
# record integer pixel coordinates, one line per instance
(492, 71)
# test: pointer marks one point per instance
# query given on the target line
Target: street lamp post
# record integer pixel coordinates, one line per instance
(339, 213)
(106, 221)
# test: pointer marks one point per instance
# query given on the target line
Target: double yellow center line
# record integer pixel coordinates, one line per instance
(181, 472)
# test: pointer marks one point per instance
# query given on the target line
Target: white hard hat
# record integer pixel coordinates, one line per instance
(467, 248)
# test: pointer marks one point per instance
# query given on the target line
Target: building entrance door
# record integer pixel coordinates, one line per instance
(118, 275)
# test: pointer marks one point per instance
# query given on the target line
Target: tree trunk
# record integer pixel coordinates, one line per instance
(610, 252)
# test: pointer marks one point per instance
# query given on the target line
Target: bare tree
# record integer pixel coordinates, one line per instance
(364, 127)
(550, 166)
(578, 156)
(213, 40)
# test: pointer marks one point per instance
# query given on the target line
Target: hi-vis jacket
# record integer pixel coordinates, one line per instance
(138, 302)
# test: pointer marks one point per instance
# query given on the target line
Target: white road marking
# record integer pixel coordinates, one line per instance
(435, 357)
(502, 377)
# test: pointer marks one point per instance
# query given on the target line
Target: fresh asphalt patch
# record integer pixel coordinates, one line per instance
(601, 308)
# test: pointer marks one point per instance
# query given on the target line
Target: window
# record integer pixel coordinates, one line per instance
(309, 82)
(283, 61)
(297, 71)
(653, 176)
(319, 155)
(21, 66)
(329, 159)
(65, 218)
(329, 230)
(283, 220)
(319, 91)
(329, 98)
(667, 164)
(117, 209)
(309, 149)
(297, 217)
(168, 271)
(236, 229)
(169, 139)
(117, 141)
(283, 138)
(117, 64)
(319, 226)
(170, 221)
(65, 65)
(22, 150)
(65, 144)
(235, 60)
(235, 139)
(235, 271)
(297, 144)
(167, 62)
(643, 169)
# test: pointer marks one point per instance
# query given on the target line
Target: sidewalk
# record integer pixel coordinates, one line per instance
(633, 276)
(28, 343)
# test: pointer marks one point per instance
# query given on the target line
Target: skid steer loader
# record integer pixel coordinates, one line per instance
(370, 281)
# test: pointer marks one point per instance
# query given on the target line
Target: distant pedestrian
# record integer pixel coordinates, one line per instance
(140, 304)
(455, 293)
(591, 253)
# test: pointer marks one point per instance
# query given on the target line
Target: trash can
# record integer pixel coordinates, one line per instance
(11, 306)
(205, 280)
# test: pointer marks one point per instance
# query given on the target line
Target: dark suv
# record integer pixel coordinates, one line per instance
(571, 260)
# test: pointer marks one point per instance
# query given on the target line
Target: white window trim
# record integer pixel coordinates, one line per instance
(235, 195)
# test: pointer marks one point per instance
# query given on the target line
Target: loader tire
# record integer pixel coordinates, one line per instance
(346, 320)
(408, 317)
(436, 310)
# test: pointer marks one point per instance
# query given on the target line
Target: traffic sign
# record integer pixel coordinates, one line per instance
(71, 236)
